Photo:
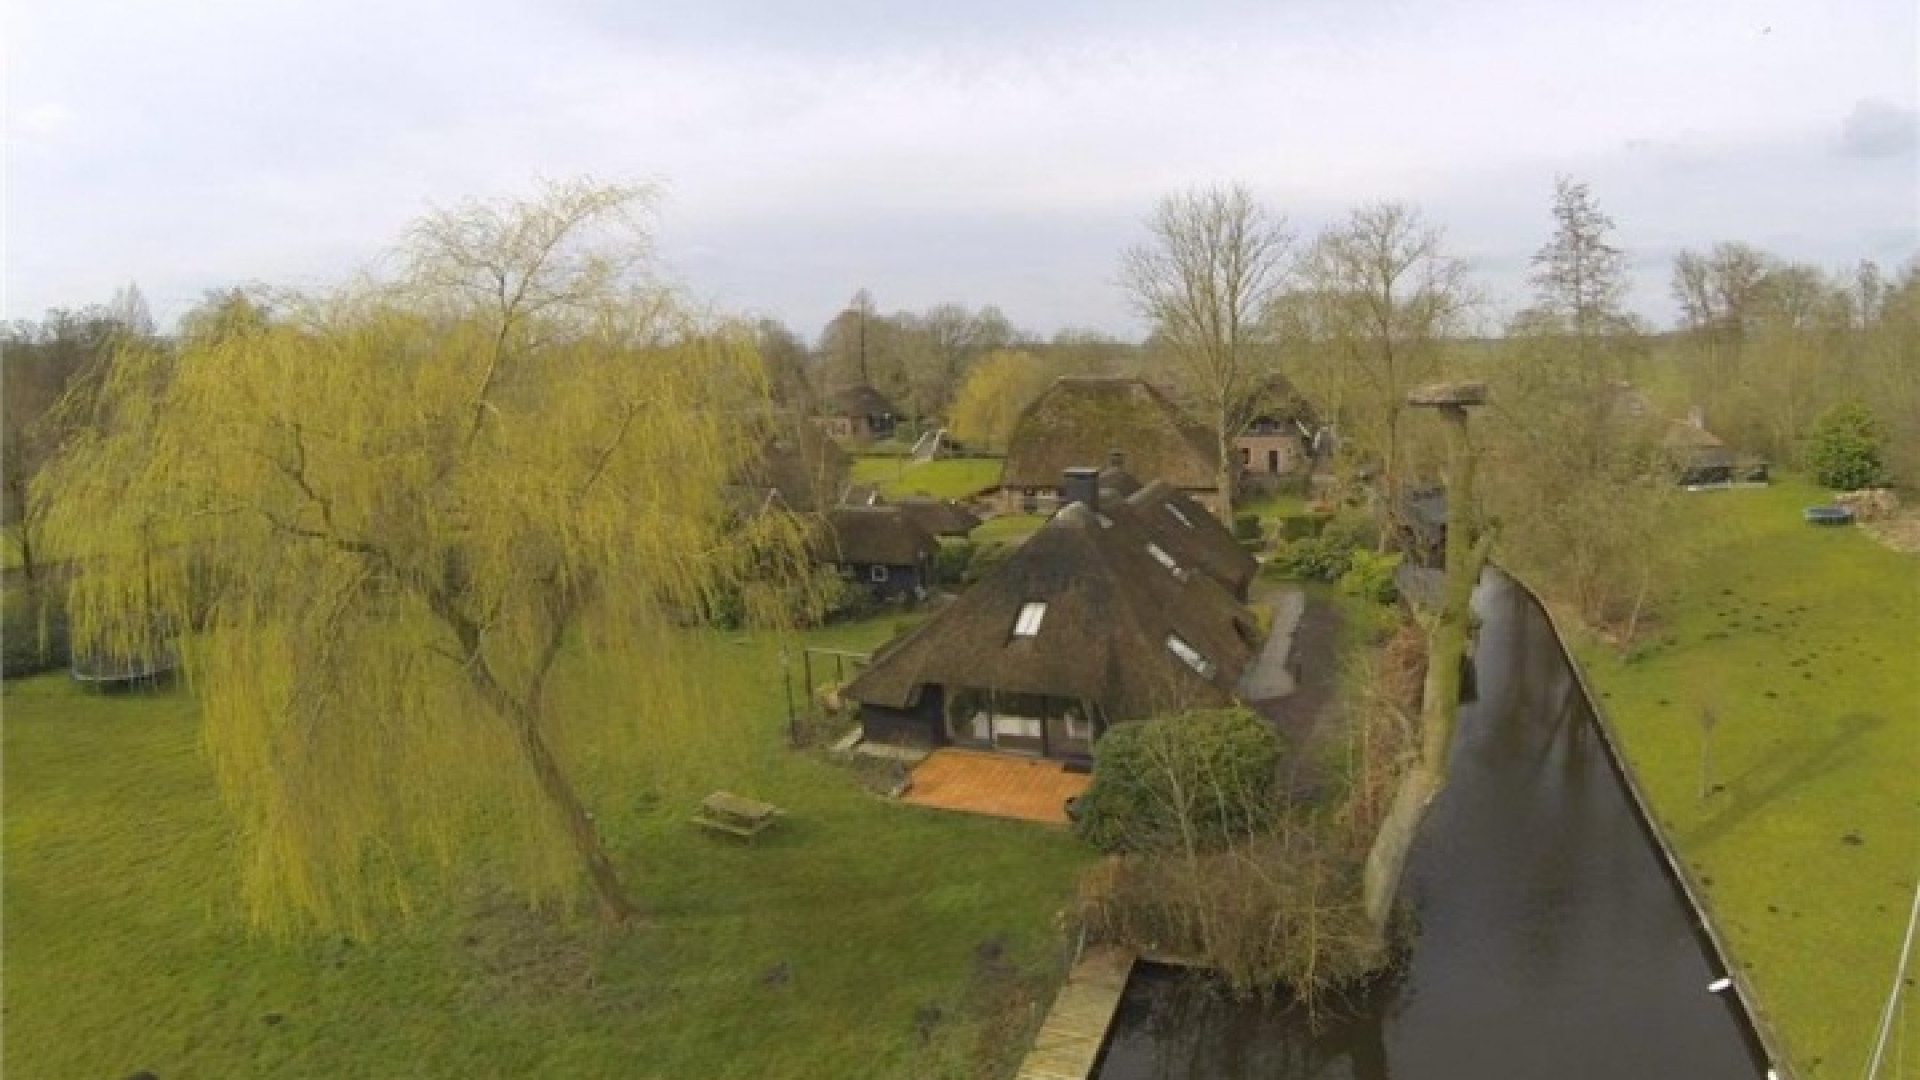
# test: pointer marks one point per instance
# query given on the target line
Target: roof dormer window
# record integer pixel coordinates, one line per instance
(1027, 623)
(1190, 656)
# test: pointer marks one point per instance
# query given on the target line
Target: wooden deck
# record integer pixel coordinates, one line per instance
(1076, 1028)
(1000, 785)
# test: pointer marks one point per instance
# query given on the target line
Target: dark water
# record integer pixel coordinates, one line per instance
(1551, 943)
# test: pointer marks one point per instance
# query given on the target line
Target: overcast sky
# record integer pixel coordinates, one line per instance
(994, 151)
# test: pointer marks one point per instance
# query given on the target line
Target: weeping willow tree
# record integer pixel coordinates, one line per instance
(375, 525)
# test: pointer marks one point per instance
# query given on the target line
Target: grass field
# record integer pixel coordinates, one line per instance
(1805, 641)
(1008, 527)
(857, 938)
(946, 478)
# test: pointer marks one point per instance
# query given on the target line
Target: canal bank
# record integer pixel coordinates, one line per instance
(1551, 938)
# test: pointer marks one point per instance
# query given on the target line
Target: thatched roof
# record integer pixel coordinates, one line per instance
(941, 517)
(1277, 399)
(1693, 445)
(1103, 637)
(798, 461)
(878, 534)
(1081, 419)
(1192, 534)
(859, 399)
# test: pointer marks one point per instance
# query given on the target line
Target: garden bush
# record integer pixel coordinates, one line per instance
(1208, 775)
(950, 565)
(1847, 448)
(1246, 526)
(1316, 558)
(984, 560)
(1370, 576)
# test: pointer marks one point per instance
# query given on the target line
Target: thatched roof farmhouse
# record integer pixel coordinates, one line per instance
(1082, 419)
(1092, 622)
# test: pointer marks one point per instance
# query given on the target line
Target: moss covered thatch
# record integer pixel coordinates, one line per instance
(878, 535)
(1190, 533)
(1080, 420)
(1111, 607)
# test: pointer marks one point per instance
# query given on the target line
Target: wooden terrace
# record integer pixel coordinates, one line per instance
(998, 785)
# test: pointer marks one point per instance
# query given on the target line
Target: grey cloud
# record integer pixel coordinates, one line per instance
(1879, 129)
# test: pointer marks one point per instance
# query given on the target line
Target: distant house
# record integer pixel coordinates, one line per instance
(940, 517)
(1278, 441)
(882, 548)
(797, 468)
(1081, 419)
(858, 413)
(1092, 622)
(1702, 459)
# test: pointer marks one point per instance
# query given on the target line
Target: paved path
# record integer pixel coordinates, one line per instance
(1270, 675)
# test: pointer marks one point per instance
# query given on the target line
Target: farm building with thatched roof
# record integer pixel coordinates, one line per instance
(1092, 622)
(941, 517)
(880, 546)
(1278, 441)
(797, 468)
(857, 412)
(1081, 419)
(1700, 458)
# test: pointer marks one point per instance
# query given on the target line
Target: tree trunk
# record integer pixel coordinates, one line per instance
(1229, 467)
(523, 718)
(608, 892)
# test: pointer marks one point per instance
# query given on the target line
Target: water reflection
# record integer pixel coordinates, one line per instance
(1551, 942)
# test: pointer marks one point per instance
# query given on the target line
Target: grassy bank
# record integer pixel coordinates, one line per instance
(1804, 642)
(857, 938)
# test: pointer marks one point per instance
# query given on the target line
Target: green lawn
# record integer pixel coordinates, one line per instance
(946, 478)
(1806, 641)
(857, 938)
(1008, 528)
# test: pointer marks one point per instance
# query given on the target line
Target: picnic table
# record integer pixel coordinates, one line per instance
(726, 812)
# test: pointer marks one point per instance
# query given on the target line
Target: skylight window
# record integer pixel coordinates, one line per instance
(1177, 515)
(1027, 624)
(1189, 655)
(1160, 556)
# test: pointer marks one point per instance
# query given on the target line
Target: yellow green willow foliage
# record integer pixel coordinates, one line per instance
(381, 522)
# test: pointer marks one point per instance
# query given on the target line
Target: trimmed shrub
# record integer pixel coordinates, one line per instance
(950, 565)
(985, 559)
(1246, 526)
(1847, 448)
(1317, 558)
(1207, 774)
(1303, 525)
(1370, 576)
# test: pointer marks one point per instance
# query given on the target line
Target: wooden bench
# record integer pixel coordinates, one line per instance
(729, 813)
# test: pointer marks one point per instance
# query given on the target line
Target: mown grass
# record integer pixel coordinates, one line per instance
(1008, 528)
(1805, 643)
(945, 478)
(857, 938)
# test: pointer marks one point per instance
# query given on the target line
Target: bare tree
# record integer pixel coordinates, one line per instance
(1216, 259)
(1379, 298)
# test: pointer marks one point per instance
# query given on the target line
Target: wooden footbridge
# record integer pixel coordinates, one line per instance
(1069, 1042)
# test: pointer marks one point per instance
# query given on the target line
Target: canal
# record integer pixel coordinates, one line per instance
(1551, 940)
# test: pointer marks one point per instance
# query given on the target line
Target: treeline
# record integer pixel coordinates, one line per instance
(1355, 316)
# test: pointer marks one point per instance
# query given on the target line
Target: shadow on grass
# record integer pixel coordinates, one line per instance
(1782, 769)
